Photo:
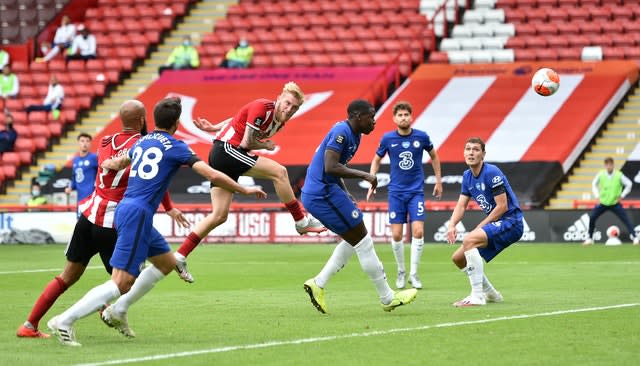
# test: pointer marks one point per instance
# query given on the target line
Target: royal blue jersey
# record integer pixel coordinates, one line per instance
(155, 159)
(83, 174)
(488, 184)
(341, 139)
(405, 156)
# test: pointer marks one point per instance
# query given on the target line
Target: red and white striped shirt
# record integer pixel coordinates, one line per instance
(259, 115)
(100, 206)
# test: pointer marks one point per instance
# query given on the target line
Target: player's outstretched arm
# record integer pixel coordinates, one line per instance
(118, 163)
(456, 216)
(223, 181)
(207, 126)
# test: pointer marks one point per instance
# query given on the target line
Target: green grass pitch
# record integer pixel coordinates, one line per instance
(564, 305)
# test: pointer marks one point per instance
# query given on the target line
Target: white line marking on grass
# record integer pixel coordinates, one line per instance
(41, 270)
(352, 335)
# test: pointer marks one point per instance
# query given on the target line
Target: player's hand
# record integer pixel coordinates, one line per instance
(269, 145)
(67, 190)
(451, 234)
(179, 217)
(370, 193)
(437, 191)
(207, 126)
(260, 194)
(373, 180)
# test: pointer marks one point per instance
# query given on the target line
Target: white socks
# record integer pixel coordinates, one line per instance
(373, 267)
(90, 302)
(475, 271)
(416, 253)
(340, 257)
(398, 252)
(144, 283)
(486, 285)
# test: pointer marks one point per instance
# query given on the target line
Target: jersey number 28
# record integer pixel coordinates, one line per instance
(145, 164)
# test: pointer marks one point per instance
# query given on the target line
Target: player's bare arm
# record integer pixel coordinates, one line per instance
(375, 167)
(223, 181)
(205, 125)
(332, 166)
(251, 141)
(456, 216)
(437, 171)
(501, 207)
(118, 163)
(179, 217)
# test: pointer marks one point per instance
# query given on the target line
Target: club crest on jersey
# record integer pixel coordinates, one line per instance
(416, 144)
(392, 215)
(258, 122)
(355, 214)
(340, 139)
(405, 144)
(480, 186)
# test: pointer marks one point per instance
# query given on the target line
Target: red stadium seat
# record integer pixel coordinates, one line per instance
(321, 60)
(536, 42)
(602, 40)
(301, 60)
(567, 28)
(40, 130)
(26, 157)
(526, 29)
(361, 59)
(546, 54)
(24, 144)
(57, 66)
(22, 129)
(340, 60)
(579, 41)
(612, 53)
(557, 41)
(38, 117)
(281, 61)
(516, 42)
(95, 65)
(313, 47)
(578, 13)
(514, 15)
(10, 171)
(10, 158)
(623, 40)
(590, 28)
(525, 55)
(333, 48)
(260, 61)
(41, 143)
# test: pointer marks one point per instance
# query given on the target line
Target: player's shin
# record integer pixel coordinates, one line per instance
(398, 252)
(189, 244)
(371, 264)
(144, 283)
(417, 245)
(89, 303)
(475, 271)
(340, 257)
(47, 298)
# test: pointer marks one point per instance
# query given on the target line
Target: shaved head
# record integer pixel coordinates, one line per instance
(131, 112)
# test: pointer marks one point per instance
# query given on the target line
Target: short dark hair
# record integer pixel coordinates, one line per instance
(167, 112)
(608, 159)
(402, 105)
(475, 140)
(83, 134)
(358, 106)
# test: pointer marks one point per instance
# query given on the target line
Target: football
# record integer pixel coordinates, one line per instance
(545, 82)
(613, 231)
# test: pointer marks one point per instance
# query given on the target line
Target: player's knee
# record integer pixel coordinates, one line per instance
(417, 233)
(280, 174)
(458, 259)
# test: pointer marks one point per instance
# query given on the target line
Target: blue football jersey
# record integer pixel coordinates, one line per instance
(155, 159)
(84, 171)
(405, 156)
(482, 188)
(340, 138)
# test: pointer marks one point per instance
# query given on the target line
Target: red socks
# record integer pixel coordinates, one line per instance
(49, 295)
(189, 244)
(296, 209)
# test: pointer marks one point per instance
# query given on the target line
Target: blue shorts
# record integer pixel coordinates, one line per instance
(501, 234)
(336, 211)
(137, 238)
(402, 204)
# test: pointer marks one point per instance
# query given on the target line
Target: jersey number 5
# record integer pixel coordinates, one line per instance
(145, 164)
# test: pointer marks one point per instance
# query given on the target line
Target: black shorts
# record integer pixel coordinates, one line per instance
(231, 160)
(89, 239)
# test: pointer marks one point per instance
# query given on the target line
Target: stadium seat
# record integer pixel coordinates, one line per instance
(525, 55)
(301, 60)
(26, 157)
(438, 57)
(10, 158)
(10, 171)
(38, 117)
(612, 53)
(24, 144)
(592, 53)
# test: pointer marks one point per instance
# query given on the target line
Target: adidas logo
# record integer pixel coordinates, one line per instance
(579, 231)
(441, 234)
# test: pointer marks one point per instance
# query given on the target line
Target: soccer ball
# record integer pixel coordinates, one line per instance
(613, 231)
(545, 82)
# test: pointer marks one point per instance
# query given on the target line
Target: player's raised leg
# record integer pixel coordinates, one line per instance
(266, 168)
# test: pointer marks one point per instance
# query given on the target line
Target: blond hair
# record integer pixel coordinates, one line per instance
(293, 88)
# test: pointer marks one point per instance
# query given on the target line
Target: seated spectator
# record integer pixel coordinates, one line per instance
(9, 84)
(83, 46)
(184, 56)
(8, 134)
(53, 101)
(4, 58)
(239, 57)
(37, 198)
(62, 39)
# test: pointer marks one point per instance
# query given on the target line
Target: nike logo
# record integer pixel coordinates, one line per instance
(394, 145)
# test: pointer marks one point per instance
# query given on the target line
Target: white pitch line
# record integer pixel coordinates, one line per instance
(352, 335)
(41, 270)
